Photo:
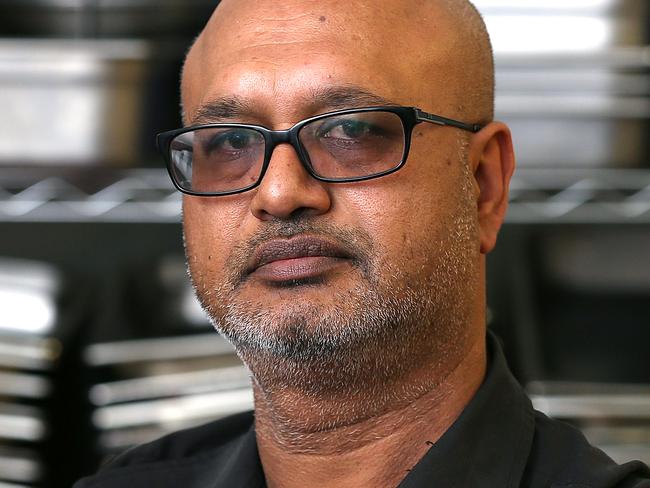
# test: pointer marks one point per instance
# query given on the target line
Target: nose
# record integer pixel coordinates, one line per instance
(287, 189)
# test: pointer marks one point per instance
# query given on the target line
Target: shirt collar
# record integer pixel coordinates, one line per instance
(489, 443)
(242, 466)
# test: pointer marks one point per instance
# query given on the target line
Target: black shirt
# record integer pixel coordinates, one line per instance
(498, 441)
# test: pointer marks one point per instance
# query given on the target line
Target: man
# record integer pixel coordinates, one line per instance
(344, 256)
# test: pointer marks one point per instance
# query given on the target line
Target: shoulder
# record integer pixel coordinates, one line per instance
(182, 455)
(561, 457)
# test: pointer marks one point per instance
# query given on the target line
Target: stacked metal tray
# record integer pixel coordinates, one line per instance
(181, 374)
(29, 352)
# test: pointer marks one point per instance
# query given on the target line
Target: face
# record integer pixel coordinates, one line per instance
(302, 269)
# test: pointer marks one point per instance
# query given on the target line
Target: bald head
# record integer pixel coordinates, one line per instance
(435, 53)
(475, 62)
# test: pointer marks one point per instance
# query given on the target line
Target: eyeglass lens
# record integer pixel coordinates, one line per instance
(338, 147)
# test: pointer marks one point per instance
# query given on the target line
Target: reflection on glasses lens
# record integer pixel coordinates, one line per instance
(218, 159)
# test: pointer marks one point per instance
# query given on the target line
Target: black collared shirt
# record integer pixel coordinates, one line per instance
(498, 441)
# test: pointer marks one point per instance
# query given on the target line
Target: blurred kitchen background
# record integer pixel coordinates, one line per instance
(102, 344)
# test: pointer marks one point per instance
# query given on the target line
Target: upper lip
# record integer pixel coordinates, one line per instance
(295, 247)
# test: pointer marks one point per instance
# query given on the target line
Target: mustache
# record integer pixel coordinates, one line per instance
(354, 243)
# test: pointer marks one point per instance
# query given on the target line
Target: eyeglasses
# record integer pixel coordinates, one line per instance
(337, 147)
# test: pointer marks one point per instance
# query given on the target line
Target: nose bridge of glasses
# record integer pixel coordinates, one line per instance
(279, 137)
(288, 136)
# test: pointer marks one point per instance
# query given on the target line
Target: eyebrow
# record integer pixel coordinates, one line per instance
(321, 99)
(221, 108)
(345, 96)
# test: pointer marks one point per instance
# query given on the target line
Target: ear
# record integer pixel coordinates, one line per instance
(492, 160)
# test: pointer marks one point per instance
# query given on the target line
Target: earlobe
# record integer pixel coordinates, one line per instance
(493, 162)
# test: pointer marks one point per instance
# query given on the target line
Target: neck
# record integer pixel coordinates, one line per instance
(367, 437)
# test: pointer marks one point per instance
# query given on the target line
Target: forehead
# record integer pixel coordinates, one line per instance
(275, 54)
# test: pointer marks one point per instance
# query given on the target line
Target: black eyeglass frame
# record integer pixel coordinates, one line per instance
(410, 117)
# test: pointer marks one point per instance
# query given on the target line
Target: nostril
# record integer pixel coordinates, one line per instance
(300, 213)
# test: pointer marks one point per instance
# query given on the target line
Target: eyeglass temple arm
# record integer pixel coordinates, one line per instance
(422, 116)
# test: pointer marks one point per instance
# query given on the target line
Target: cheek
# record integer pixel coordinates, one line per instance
(410, 211)
(400, 215)
(211, 228)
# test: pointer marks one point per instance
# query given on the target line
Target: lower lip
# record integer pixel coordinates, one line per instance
(298, 269)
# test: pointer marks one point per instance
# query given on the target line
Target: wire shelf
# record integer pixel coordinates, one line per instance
(537, 196)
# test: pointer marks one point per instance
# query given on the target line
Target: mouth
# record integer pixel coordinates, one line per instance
(298, 260)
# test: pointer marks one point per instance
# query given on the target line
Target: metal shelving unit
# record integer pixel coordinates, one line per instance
(563, 196)
(138, 196)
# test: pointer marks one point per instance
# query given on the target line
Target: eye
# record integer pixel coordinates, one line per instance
(231, 141)
(349, 129)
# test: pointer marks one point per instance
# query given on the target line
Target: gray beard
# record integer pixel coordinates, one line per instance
(382, 329)
(309, 332)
